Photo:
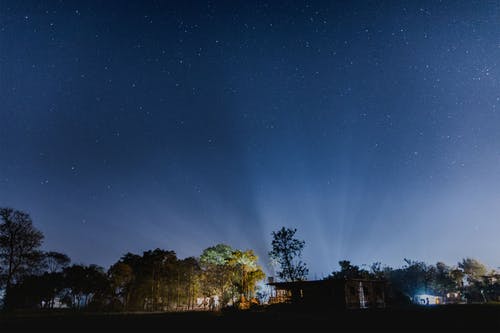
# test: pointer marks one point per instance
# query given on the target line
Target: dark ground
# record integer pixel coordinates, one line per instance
(451, 318)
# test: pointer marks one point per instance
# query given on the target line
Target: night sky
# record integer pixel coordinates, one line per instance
(371, 127)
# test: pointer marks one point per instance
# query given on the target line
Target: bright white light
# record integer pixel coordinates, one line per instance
(425, 299)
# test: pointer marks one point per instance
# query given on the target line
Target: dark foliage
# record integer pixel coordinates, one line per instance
(287, 250)
(158, 280)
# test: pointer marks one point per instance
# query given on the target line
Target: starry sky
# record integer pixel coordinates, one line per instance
(372, 127)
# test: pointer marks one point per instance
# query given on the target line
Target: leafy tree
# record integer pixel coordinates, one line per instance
(473, 269)
(217, 272)
(475, 273)
(52, 284)
(228, 272)
(120, 276)
(37, 291)
(159, 267)
(188, 285)
(457, 276)
(414, 277)
(248, 272)
(287, 250)
(19, 247)
(157, 280)
(85, 285)
(348, 271)
(377, 271)
(55, 261)
(216, 255)
(444, 281)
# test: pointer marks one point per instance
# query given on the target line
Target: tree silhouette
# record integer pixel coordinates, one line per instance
(120, 276)
(287, 250)
(348, 271)
(19, 247)
(85, 285)
(55, 261)
(37, 291)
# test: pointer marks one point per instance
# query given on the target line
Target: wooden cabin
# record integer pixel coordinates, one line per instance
(339, 293)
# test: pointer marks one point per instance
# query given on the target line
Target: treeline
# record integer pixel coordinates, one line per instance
(156, 280)
(468, 281)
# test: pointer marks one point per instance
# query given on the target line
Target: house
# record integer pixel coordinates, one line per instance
(340, 293)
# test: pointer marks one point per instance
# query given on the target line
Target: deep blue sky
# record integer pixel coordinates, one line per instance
(372, 127)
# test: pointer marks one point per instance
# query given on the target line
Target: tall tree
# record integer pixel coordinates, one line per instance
(188, 272)
(217, 272)
(473, 269)
(159, 266)
(457, 276)
(85, 285)
(444, 281)
(152, 281)
(475, 272)
(19, 246)
(287, 250)
(247, 271)
(120, 276)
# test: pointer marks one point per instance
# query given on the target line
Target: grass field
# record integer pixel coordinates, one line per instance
(471, 318)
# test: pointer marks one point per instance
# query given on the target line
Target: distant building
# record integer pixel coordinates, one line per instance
(425, 299)
(341, 293)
